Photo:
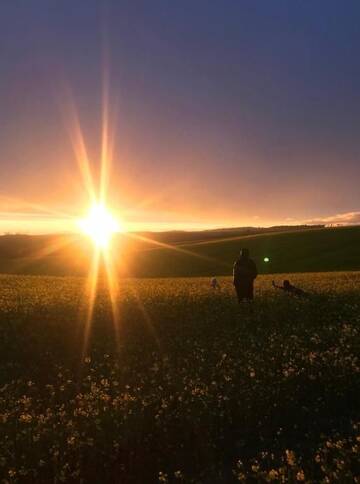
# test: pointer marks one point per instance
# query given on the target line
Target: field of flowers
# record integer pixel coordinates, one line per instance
(188, 387)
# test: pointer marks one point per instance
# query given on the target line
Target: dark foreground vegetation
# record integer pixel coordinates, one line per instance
(190, 388)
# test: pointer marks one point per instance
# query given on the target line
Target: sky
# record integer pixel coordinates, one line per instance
(223, 113)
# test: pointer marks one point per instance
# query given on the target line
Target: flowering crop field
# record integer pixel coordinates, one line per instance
(188, 386)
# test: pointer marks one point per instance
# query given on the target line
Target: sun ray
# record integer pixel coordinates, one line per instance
(113, 287)
(56, 245)
(90, 291)
(105, 159)
(79, 146)
(146, 316)
(176, 248)
(14, 204)
(61, 242)
(107, 129)
(100, 225)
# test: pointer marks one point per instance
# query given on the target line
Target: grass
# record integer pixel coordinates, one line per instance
(192, 388)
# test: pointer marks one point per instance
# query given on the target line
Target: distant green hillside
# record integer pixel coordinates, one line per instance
(308, 250)
(330, 249)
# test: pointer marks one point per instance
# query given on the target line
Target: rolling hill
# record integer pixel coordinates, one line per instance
(311, 250)
(188, 254)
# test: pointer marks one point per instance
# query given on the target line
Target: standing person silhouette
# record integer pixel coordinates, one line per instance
(244, 273)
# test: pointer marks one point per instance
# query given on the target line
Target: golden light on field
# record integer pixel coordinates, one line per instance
(100, 225)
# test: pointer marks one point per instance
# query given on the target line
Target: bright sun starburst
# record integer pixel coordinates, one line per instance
(100, 225)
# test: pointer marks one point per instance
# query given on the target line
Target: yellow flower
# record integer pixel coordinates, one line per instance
(273, 474)
(25, 418)
(300, 476)
(71, 440)
(290, 457)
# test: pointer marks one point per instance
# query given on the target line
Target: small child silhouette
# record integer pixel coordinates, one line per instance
(290, 289)
(214, 283)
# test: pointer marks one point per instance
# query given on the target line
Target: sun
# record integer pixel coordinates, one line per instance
(100, 225)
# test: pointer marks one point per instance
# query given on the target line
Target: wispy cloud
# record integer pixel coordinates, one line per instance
(348, 218)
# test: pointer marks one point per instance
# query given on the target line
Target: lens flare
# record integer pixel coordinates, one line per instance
(100, 226)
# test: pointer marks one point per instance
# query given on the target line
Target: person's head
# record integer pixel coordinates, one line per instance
(286, 283)
(244, 253)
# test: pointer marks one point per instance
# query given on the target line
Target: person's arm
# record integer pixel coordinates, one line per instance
(298, 291)
(234, 272)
